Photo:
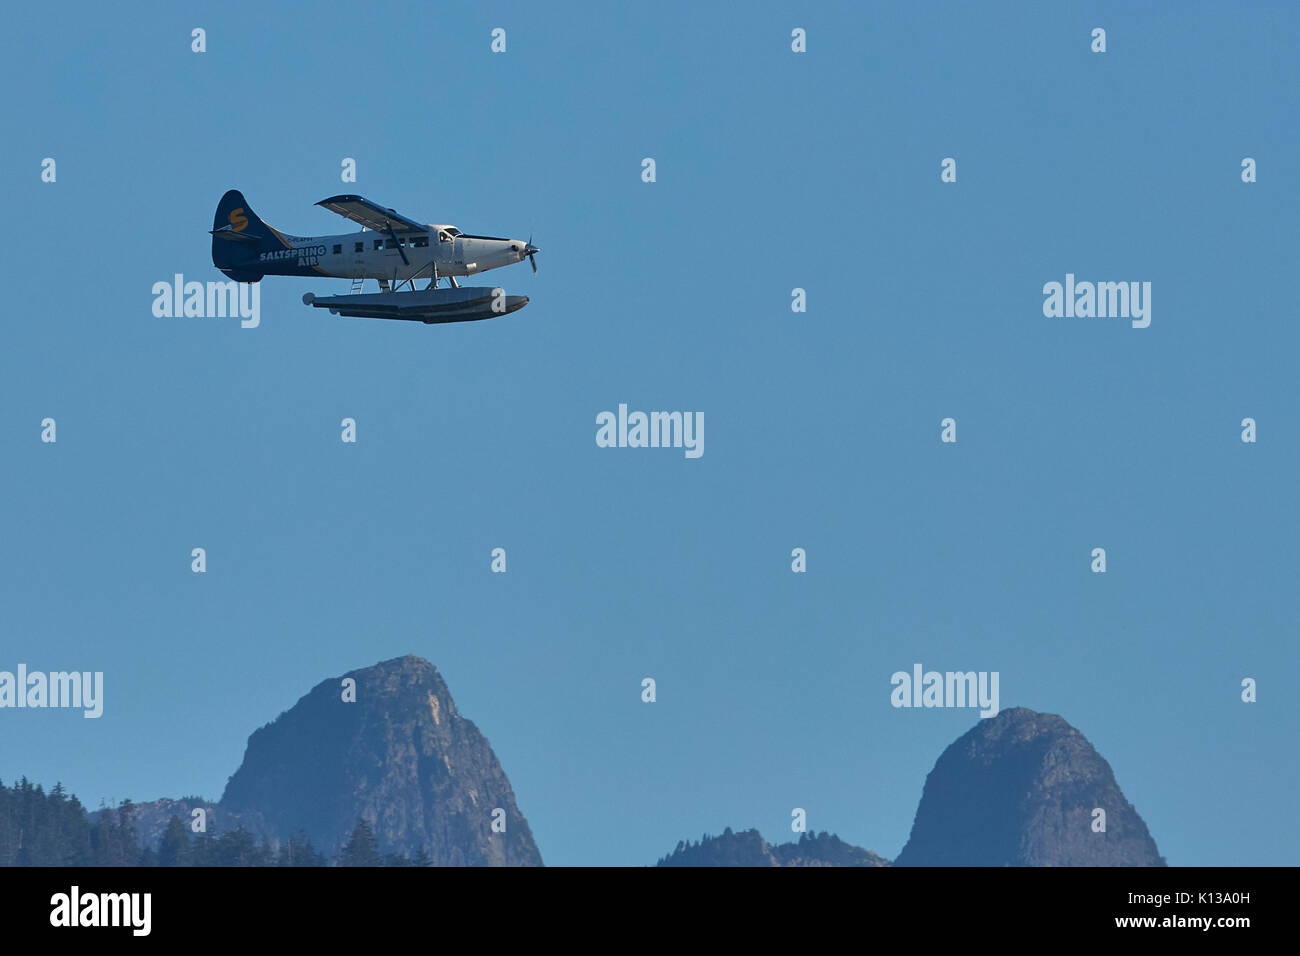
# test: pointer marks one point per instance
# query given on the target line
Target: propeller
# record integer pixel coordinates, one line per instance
(531, 251)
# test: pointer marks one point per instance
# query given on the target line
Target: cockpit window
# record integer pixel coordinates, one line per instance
(453, 231)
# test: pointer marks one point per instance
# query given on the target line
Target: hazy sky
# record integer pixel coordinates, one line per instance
(775, 170)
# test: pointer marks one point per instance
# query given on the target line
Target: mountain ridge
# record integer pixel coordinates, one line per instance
(748, 848)
(385, 744)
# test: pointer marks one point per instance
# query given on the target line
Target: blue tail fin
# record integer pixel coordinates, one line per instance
(239, 237)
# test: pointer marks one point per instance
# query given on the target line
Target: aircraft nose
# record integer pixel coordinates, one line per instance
(530, 250)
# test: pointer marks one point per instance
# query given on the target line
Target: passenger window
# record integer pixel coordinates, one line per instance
(338, 249)
(361, 247)
(379, 244)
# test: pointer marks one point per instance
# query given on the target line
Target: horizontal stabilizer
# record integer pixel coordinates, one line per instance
(228, 232)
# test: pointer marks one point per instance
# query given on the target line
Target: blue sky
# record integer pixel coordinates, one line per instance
(775, 170)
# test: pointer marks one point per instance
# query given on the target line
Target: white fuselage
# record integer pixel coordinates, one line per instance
(377, 255)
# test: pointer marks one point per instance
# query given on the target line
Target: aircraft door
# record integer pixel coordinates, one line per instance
(446, 254)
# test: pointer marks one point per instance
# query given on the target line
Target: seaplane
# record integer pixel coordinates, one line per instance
(392, 249)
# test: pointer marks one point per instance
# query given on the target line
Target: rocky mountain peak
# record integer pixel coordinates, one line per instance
(385, 744)
(1021, 789)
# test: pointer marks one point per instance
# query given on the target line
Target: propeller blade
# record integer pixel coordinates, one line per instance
(533, 259)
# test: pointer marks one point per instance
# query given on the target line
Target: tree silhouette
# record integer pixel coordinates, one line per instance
(362, 848)
(174, 848)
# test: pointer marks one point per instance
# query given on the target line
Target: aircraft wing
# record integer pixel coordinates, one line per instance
(371, 215)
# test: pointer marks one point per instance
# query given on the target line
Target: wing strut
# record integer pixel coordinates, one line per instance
(392, 235)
